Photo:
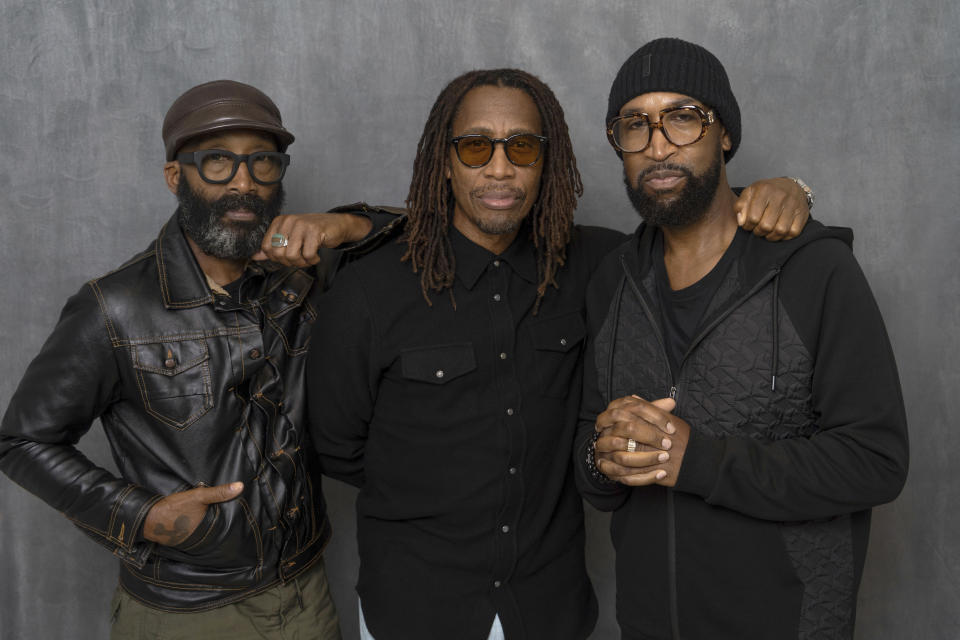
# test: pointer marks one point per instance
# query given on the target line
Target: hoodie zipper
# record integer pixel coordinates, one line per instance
(674, 394)
(671, 517)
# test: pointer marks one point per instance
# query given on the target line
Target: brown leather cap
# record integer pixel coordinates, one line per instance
(219, 106)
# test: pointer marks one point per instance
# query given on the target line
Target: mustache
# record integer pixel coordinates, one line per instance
(517, 192)
(232, 202)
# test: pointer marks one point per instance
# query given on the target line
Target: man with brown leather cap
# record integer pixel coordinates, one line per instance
(192, 355)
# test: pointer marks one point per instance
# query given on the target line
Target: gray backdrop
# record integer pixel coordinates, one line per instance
(860, 99)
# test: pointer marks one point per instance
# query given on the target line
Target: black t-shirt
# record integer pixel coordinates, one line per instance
(682, 310)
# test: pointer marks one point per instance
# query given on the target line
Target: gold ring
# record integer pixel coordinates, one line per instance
(631, 445)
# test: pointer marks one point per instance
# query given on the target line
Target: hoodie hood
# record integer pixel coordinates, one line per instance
(759, 256)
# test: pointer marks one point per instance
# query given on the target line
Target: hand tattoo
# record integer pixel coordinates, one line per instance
(179, 533)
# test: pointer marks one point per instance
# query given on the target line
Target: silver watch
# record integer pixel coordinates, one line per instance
(807, 191)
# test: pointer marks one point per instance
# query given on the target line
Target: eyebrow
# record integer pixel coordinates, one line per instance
(679, 102)
(489, 132)
(682, 102)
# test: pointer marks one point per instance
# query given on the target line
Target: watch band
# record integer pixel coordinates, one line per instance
(807, 191)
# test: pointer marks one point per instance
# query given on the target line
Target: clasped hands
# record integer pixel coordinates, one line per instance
(660, 442)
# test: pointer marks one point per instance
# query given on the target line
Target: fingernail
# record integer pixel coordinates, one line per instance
(661, 475)
(667, 443)
(663, 457)
(670, 428)
(236, 486)
(740, 218)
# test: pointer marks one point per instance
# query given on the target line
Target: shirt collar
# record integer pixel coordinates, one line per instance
(472, 259)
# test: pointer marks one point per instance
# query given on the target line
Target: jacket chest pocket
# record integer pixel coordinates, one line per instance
(288, 311)
(558, 345)
(174, 380)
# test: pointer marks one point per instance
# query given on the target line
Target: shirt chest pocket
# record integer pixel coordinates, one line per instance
(558, 347)
(439, 364)
(174, 380)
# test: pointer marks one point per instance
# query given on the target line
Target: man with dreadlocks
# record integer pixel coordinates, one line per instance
(448, 386)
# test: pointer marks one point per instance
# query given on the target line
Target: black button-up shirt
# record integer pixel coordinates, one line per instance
(456, 420)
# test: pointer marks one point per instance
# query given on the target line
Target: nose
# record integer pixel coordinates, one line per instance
(659, 147)
(499, 167)
(242, 182)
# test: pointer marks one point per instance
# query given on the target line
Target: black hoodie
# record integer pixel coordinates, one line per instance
(797, 429)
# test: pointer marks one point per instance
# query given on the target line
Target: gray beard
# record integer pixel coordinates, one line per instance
(202, 220)
(688, 207)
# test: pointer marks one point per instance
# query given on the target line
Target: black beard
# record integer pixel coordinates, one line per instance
(686, 208)
(203, 221)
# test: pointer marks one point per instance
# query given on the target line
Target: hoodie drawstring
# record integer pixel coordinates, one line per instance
(776, 331)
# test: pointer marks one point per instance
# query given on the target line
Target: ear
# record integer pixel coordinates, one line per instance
(172, 174)
(725, 142)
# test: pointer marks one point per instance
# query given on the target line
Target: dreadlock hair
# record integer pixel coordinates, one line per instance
(430, 200)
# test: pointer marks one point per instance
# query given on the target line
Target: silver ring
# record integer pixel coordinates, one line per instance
(279, 240)
(631, 445)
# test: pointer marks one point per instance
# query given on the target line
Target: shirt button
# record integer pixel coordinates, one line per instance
(170, 363)
(509, 412)
(254, 354)
(496, 297)
(496, 584)
(512, 471)
(505, 528)
(439, 373)
(563, 342)
(496, 263)
(503, 356)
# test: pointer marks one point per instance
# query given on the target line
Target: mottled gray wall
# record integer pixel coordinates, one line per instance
(860, 99)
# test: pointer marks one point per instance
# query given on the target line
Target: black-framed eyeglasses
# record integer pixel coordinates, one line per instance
(683, 125)
(476, 149)
(217, 166)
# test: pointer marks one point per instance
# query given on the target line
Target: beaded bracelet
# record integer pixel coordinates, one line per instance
(591, 461)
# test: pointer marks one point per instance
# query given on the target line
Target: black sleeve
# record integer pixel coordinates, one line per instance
(604, 495)
(387, 223)
(341, 379)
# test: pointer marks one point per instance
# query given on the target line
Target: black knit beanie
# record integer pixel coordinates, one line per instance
(671, 64)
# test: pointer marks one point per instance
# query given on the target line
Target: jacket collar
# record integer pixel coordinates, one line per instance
(182, 283)
(472, 259)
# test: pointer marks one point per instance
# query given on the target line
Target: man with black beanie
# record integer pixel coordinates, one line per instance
(741, 408)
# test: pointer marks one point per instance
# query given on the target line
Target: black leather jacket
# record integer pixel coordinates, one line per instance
(192, 389)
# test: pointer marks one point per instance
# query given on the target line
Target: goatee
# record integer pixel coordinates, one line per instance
(206, 225)
(686, 207)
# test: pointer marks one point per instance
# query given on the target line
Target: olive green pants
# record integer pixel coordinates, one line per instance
(302, 609)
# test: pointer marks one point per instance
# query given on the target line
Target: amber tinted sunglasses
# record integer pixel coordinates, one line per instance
(476, 149)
